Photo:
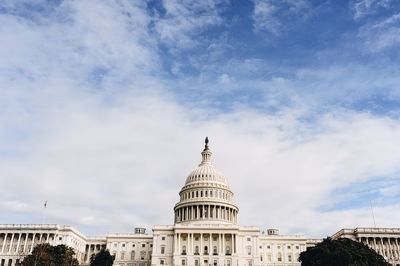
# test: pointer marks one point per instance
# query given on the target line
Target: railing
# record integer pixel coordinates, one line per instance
(184, 253)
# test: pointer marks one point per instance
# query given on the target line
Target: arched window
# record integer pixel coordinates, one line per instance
(133, 255)
(279, 256)
(205, 250)
(215, 252)
(196, 250)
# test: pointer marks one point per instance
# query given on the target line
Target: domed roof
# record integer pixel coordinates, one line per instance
(206, 171)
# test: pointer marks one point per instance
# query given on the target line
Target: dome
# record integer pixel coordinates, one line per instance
(206, 196)
(206, 172)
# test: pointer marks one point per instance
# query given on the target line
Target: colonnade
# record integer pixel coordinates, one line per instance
(21, 243)
(208, 212)
(92, 249)
(388, 247)
(18, 245)
(206, 244)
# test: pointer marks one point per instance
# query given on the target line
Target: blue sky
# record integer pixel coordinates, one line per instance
(105, 105)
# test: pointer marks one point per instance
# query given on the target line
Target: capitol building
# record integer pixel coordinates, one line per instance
(205, 232)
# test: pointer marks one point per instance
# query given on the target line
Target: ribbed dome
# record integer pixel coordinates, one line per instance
(206, 196)
(206, 173)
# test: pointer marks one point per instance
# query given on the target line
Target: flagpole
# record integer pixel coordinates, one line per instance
(372, 211)
(44, 211)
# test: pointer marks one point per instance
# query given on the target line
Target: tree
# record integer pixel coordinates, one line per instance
(343, 251)
(103, 258)
(47, 255)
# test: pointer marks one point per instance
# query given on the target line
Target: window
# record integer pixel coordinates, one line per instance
(60, 238)
(196, 238)
(261, 258)
(197, 194)
(143, 245)
(215, 238)
(192, 194)
(279, 256)
(248, 239)
(215, 252)
(162, 250)
(161, 262)
(279, 247)
(201, 193)
(183, 262)
(288, 247)
(228, 263)
(133, 245)
(163, 238)
(122, 255)
(184, 238)
(297, 247)
(151, 245)
(289, 257)
(196, 262)
(196, 250)
(250, 263)
(248, 250)
(268, 247)
(123, 245)
(142, 255)
(132, 255)
(205, 250)
(183, 250)
(228, 250)
(115, 244)
(205, 238)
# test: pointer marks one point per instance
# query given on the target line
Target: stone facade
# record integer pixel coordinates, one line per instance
(385, 241)
(205, 232)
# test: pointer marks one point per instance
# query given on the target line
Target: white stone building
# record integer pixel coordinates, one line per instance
(385, 241)
(205, 232)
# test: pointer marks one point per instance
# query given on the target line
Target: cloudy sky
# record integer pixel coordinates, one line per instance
(104, 106)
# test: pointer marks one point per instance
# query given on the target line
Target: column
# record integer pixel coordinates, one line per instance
(220, 244)
(175, 243)
(375, 244)
(223, 244)
(197, 212)
(201, 244)
(4, 242)
(26, 241)
(33, 241)
(11, 243)
(210, 249)
(179, 243)
(189, 245)
(192, 248)
(19, 242)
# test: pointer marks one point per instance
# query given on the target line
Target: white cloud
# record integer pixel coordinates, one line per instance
(266, 11)
(183, 19)
(89, 125)
(364, 8)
